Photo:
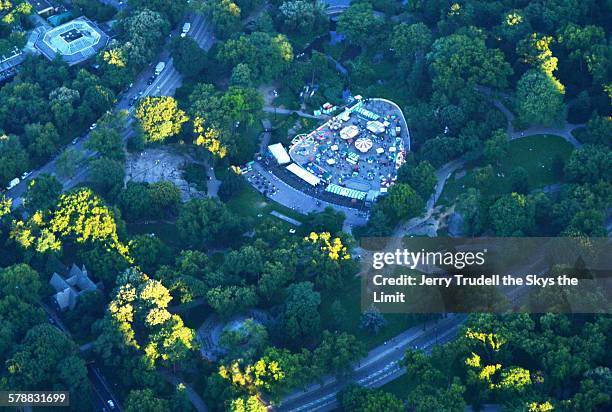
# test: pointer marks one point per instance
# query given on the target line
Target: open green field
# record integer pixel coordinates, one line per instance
(350, 298)
(250, 203)
(534, 153)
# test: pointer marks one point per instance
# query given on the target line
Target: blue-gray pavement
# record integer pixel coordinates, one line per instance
(292, 198)
(380, 366)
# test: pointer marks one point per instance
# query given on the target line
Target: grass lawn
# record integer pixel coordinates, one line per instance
(350, 298)
(250, 203)
(534, 153)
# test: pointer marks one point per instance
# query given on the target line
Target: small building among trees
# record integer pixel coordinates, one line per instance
(70, 289)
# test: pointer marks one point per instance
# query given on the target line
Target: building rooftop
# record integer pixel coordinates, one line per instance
(76, 41)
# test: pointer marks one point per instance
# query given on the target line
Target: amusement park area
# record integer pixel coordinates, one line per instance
(352, 158)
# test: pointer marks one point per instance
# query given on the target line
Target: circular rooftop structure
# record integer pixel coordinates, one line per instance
(355, 154)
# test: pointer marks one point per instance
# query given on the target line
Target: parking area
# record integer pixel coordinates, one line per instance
(298, 200)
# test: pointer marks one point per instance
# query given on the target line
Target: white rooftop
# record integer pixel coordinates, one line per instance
(280, 154)
(303, 174)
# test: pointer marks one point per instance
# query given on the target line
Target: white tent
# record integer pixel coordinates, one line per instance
(375, 127)
(363, 144)
(349, 132)
(279, 153)
(303, 174)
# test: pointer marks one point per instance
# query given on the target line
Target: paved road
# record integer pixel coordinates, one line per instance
(380, 366)
(272, 109)
(194, 398)
(98, 383)
(303, 203)
(164, 85)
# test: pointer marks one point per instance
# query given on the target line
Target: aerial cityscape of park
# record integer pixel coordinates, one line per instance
(190, 190)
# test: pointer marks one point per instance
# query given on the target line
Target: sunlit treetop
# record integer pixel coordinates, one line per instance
(334, 247)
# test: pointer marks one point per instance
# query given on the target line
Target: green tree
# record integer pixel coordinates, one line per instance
(410, 40)
(302, 319)
(539, 99)
(459, 62)
(189, 59)
(338, 352)
(402, 203)
(513, 215)
(41, 140)
(107, 176)
(135, 201)
(329, 220)
(360, 24)
(225, 16)
(496, 147)
(37, 359)
(242, 76)
(246, 342)
(149, 252)
(268, 56)
(144, 400)
(21, 281)
(421, 177)
(107, 141)
(14, 159)
(42, 193)
(358, 399)
(172, 9)
(469, 207)
(203, 221)
(302, 16)
(372, 321)
(165, 199)
(597, 131)
(232, 185)
(230, 300)
(23, 103)
(519, 180)
(67, 162)
(589, 164)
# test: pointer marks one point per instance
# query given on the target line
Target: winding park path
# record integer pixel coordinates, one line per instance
(565, 131)
(272, 109)
(444, 172)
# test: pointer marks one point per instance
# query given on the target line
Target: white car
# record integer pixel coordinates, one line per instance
(110, 404)
(93, 126)
(25, 174)
(186, 28)
(292, 230)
